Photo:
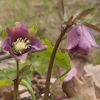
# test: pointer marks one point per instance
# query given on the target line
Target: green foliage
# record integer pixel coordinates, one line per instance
(98, 99)
(7, 73)
(2, 33)
(38, 63)
(94, 29)
(4, 82)
(61, 59)
(71, 99)
(26, 70)
(11, 72)
(33, 29)
(26, 81)
(43, 65)
(91, 17)
(84, 13)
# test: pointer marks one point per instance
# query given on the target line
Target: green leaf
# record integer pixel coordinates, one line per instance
(61, 59)
(9, 80)
(26, 81)
(98, 99)
(3, 74)
(94, 29)
(43, 64)
(2, 33)
(51, 97)
(71, 99)
(84, 13)
(76, 14)
(91, 16)
(3, 82)
(8, 72)
(64, 73)
(32, 30)
(61, 7)
(26, 70)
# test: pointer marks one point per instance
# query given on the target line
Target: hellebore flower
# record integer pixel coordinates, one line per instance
(80, 39)
(58, 87)
(68, 76)
(18, 43)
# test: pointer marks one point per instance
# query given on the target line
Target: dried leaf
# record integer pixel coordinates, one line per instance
(6, 92)
(69, 22)
(82, 90)
(95, 72)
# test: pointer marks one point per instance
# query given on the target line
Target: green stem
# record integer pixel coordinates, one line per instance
(15, 91)
(16, 82)
(51, 62)
(17, 69)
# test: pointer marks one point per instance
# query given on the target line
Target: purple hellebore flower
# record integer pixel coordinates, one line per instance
(18, 43)
(80, 39)
(57, 87)
(68, 76)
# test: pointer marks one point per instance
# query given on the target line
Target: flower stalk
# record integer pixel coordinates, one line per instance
(63, 31)
(16, 82)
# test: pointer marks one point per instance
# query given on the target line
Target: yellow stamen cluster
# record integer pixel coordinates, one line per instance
(20, 46)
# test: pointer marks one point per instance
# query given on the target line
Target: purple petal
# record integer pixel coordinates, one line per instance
(7, 46)
(82, 51)
(87, 34)
(72, 51)
(84, 46)
(73, 38)
(36, 43)
(19, 30)
(71, 73)
(23, 57)
(6, 42)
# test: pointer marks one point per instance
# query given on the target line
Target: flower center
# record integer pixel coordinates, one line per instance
(20, 46)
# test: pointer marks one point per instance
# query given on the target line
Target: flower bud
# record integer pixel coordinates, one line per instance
(80, 39)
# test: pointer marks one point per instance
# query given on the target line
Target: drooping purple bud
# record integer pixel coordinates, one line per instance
(70, 74)
(80, 39)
